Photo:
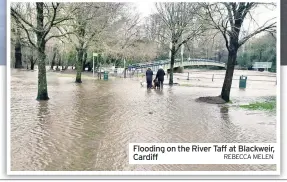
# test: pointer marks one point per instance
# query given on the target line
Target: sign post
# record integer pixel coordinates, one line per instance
(93, 66)
(100, 68)
(124, 67)
(94, 54)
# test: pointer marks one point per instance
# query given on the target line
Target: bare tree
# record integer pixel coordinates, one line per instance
(156, 29)
(47, 17)
(32, 58)
(123, 36)
(16, 31)
(89, 21)
(228, 18)
(29, 55)
(182, 24)
(18, 52)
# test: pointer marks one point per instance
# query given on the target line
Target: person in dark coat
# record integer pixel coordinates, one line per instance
(149, 75)
(160, 77)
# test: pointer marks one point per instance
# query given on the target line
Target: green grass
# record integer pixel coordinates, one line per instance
(140, 74)
(268, 105)
(185, 85)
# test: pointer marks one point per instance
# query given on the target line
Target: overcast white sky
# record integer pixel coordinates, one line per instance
(261, 15)
(145, 8)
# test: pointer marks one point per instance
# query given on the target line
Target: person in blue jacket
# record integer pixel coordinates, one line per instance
(149, 75)
(160, 77)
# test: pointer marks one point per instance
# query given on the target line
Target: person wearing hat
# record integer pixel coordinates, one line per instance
(160, 76)
(149, 75)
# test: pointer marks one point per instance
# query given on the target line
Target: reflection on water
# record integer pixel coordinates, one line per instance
(224, 113)
(88, 126)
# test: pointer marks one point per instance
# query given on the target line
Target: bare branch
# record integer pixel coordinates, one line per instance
(55, 7)
(191, 36)
(26, 31)
(58, 36)
(223, 32)
(230, 16)
(259, 30)
(19, 17)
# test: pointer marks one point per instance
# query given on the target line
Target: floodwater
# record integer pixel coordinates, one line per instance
(88, 126)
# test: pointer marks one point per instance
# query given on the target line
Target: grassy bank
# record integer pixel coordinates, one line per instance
(267, 105)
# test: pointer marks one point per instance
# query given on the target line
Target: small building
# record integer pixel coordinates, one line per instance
(262, 66)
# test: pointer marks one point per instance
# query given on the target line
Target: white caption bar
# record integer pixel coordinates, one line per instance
(203, 153)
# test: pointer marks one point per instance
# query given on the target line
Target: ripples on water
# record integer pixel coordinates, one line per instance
(88, 126)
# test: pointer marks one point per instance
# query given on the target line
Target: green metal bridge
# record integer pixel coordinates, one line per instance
(165, 64)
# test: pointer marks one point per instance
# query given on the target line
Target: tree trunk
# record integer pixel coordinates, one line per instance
(32, 65)
(53, 60)
(42, 80)
(125, 72)
(84, 59)
(219, 57)
(79, 65)
(18, 54)
(63, 65)
(58, 64)
(32, 62)
(60, 61)
(225, 92)
(171, 64)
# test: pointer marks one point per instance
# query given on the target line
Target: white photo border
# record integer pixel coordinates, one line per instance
(139, 173)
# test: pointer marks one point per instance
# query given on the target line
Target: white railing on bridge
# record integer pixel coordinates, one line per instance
(166, 64)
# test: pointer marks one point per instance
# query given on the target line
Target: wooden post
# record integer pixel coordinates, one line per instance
(188, 76)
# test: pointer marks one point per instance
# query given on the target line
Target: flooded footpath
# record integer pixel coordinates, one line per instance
(88, 126)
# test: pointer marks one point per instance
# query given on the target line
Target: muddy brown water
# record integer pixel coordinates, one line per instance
(88, 126)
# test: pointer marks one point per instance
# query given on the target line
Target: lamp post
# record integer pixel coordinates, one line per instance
(182, 51)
